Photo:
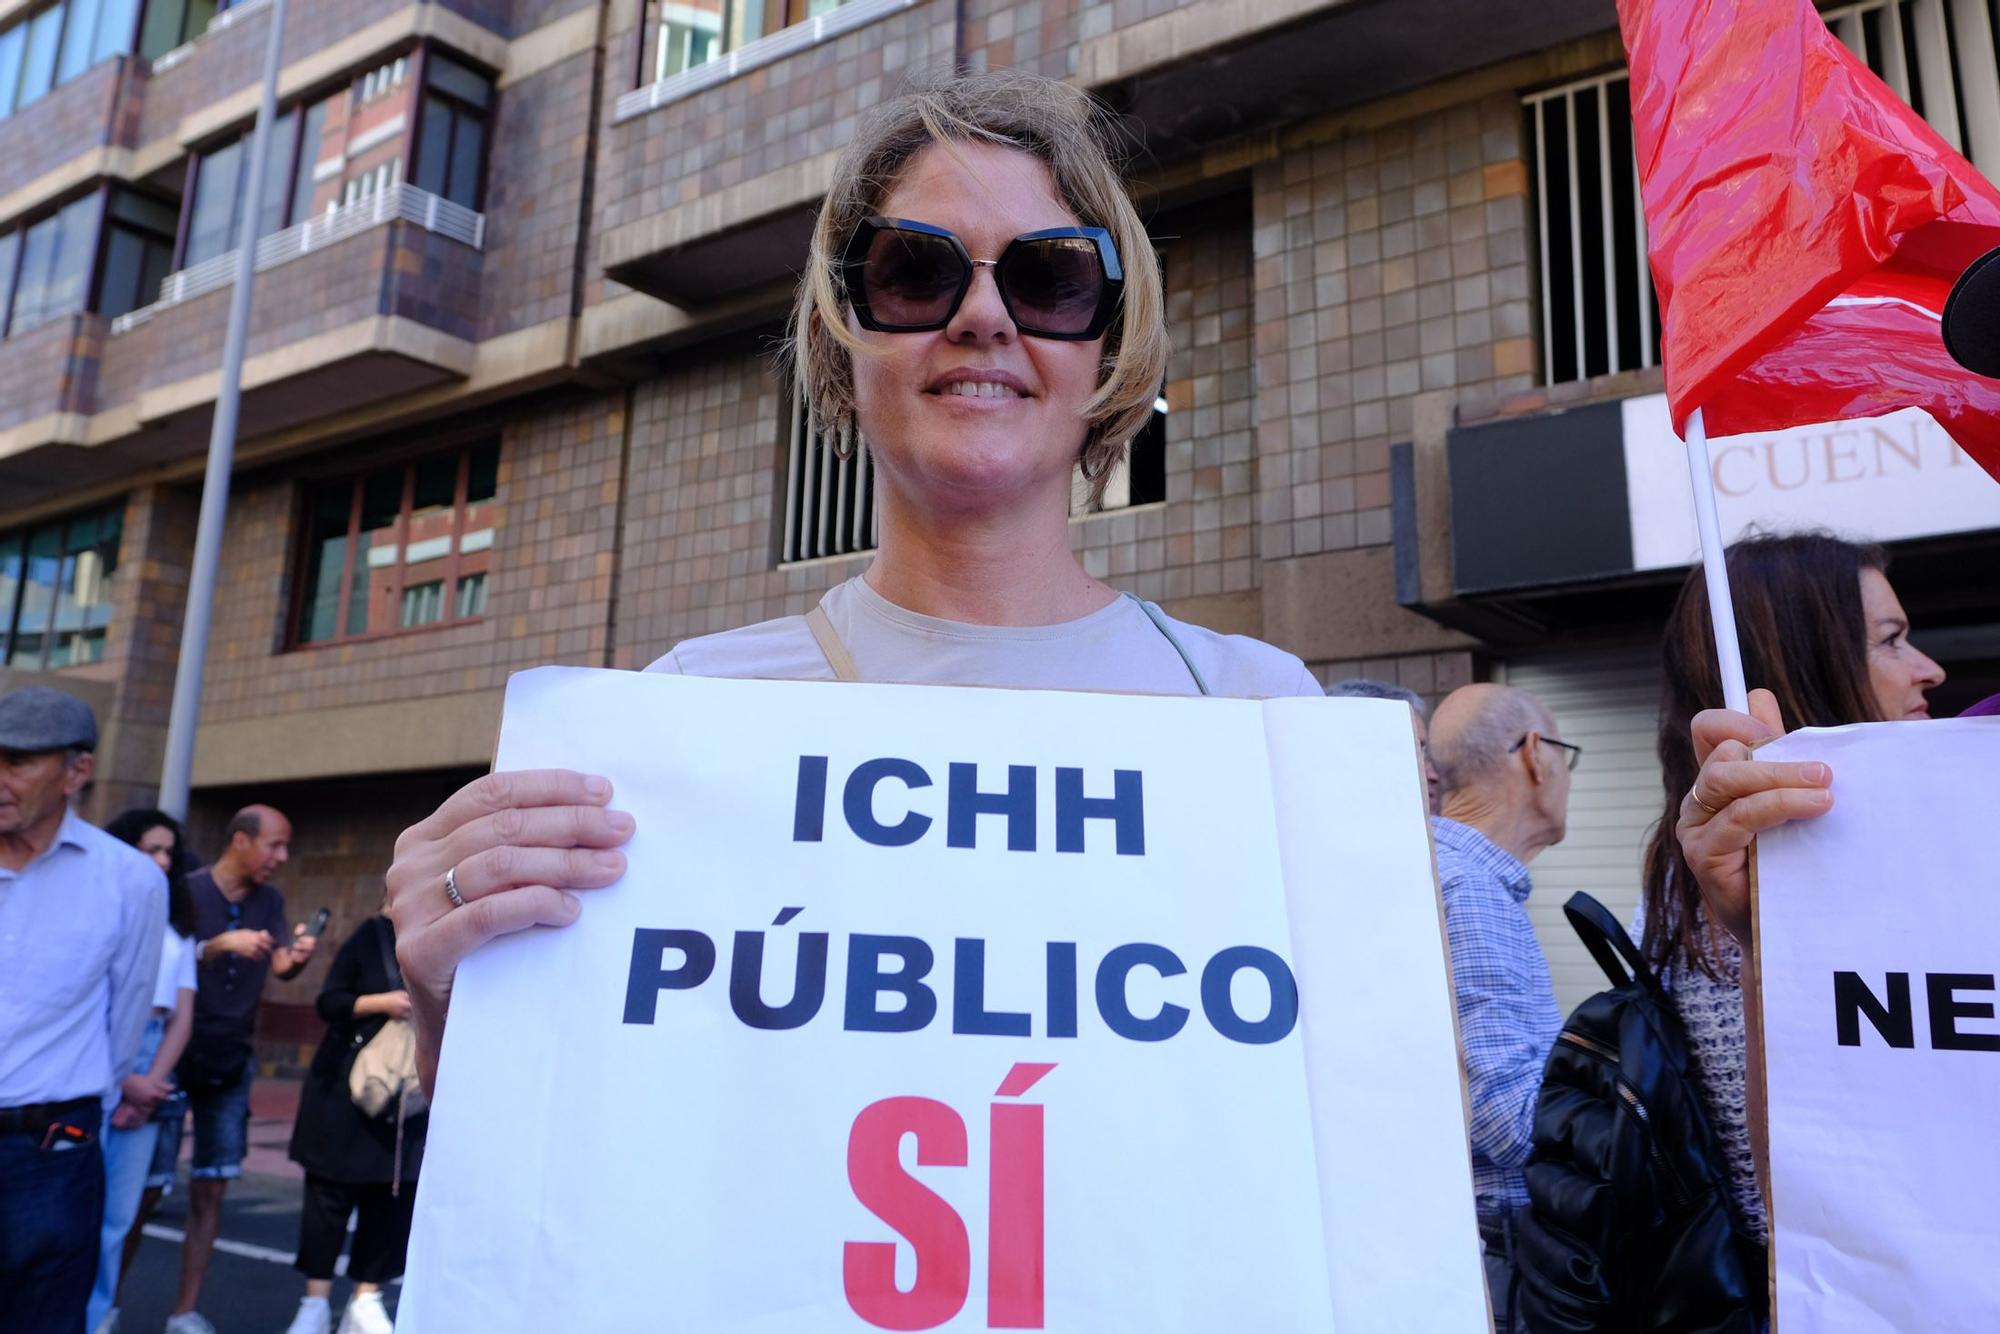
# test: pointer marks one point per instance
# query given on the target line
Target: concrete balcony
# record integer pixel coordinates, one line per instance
(48, 376)
(209, 85)
(709, 177)
(351, 308)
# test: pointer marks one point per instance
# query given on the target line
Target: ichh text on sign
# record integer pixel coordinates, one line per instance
(927, 1008)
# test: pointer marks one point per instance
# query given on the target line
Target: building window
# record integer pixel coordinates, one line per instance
(55, 590)
(172, 23)
(138, 252)
(451, 137)
(694, 32)
(830, 500)
(1598, 308)
(215, 208)
(53, 45)
(399, 548)
(1140, 477)
(45, 271)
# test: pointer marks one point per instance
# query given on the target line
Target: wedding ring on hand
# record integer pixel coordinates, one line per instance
(1693, 796)
(451, 888)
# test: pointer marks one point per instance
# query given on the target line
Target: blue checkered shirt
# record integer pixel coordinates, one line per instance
(1507, 1015)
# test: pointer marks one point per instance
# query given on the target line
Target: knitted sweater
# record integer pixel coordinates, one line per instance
(1711, 1010)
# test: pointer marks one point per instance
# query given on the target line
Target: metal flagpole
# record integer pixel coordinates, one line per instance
(1715, 570)
(177, 770)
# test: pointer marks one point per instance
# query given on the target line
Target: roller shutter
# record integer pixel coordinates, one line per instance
(1608, 703)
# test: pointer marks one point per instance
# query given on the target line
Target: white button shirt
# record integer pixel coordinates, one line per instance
(80, 933)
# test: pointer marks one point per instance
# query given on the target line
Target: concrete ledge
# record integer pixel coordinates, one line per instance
(85, 166)
(1342, 604)
(391, 335)
(53, 428)
(1181, 32)
(636, 320)
(443, 731)
(712, 214)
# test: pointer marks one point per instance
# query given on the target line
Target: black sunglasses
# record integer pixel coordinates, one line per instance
(910, 277)
(1572, 755)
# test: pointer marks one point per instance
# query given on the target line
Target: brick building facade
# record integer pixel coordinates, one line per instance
(565, 241)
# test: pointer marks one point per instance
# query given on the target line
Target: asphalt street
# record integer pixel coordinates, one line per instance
(252, 1287)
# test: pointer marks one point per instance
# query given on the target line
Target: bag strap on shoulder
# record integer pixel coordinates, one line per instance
(383, 941)
(1607, 942)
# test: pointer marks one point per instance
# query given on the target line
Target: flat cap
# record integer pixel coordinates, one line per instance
(36, 718)
(1972, 317)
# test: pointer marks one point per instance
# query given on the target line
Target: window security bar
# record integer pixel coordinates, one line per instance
(1597, 302)
(398, 203)
(755, 54)
(829, 500)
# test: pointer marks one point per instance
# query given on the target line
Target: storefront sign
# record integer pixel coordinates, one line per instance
(928, 1008)
(1873, 479)
(1878, 929)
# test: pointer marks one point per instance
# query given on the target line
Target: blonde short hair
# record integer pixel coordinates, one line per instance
(1072, 135)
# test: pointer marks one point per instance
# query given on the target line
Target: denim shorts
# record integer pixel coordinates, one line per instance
(221, 1135)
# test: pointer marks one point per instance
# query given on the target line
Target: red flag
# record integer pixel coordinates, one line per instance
(1804, 225)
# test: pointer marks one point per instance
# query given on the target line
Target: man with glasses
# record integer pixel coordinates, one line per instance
(1505, 776)
(239, 924)
(81, 921)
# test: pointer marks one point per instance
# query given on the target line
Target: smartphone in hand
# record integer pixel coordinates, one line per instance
(317, 927)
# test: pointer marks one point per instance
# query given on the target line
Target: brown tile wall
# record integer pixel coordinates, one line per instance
(148, 601)
(1432, 675)
(1039, 36)
(62, 124)
(1388, 263)
(49, 368)
(785, 112)
(534, 201)
(547, 602)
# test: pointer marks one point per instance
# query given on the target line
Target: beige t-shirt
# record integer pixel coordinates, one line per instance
(1115, 648)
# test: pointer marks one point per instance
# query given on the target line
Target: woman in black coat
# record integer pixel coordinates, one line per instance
(354, 1162)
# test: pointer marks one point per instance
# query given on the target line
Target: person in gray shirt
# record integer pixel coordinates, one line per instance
(81, 920)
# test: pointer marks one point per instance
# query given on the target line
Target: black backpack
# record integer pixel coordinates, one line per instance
(1629, 1227)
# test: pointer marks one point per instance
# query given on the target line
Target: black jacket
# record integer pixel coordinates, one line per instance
(1629, 1227)
(332, 1137)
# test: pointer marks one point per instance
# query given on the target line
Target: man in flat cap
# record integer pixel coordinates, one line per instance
(81, 918)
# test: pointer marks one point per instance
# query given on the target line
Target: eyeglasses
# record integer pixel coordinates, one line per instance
(910, 277)
(1572, 755)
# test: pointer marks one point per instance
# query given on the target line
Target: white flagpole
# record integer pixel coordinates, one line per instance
(1721, 608)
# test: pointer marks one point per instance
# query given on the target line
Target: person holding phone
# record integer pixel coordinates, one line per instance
(241, 940)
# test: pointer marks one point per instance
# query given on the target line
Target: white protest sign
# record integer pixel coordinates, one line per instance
(926, 1008)
(1878, 930)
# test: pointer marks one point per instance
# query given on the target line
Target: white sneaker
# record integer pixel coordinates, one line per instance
(315, 1317)
(366, 1315)
(189, 1322)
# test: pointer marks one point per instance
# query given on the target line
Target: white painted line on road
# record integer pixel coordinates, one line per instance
(247, 1250)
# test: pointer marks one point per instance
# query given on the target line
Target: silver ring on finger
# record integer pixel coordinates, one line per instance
(451, 888)
(1695, 797)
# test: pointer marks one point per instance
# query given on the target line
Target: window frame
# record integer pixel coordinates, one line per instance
(10, 283)
(94, 50)
(18, 541)
(407, 461)
(413, 152)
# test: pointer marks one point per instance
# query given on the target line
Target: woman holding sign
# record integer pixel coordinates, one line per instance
(1822, 624)
(982, 305)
